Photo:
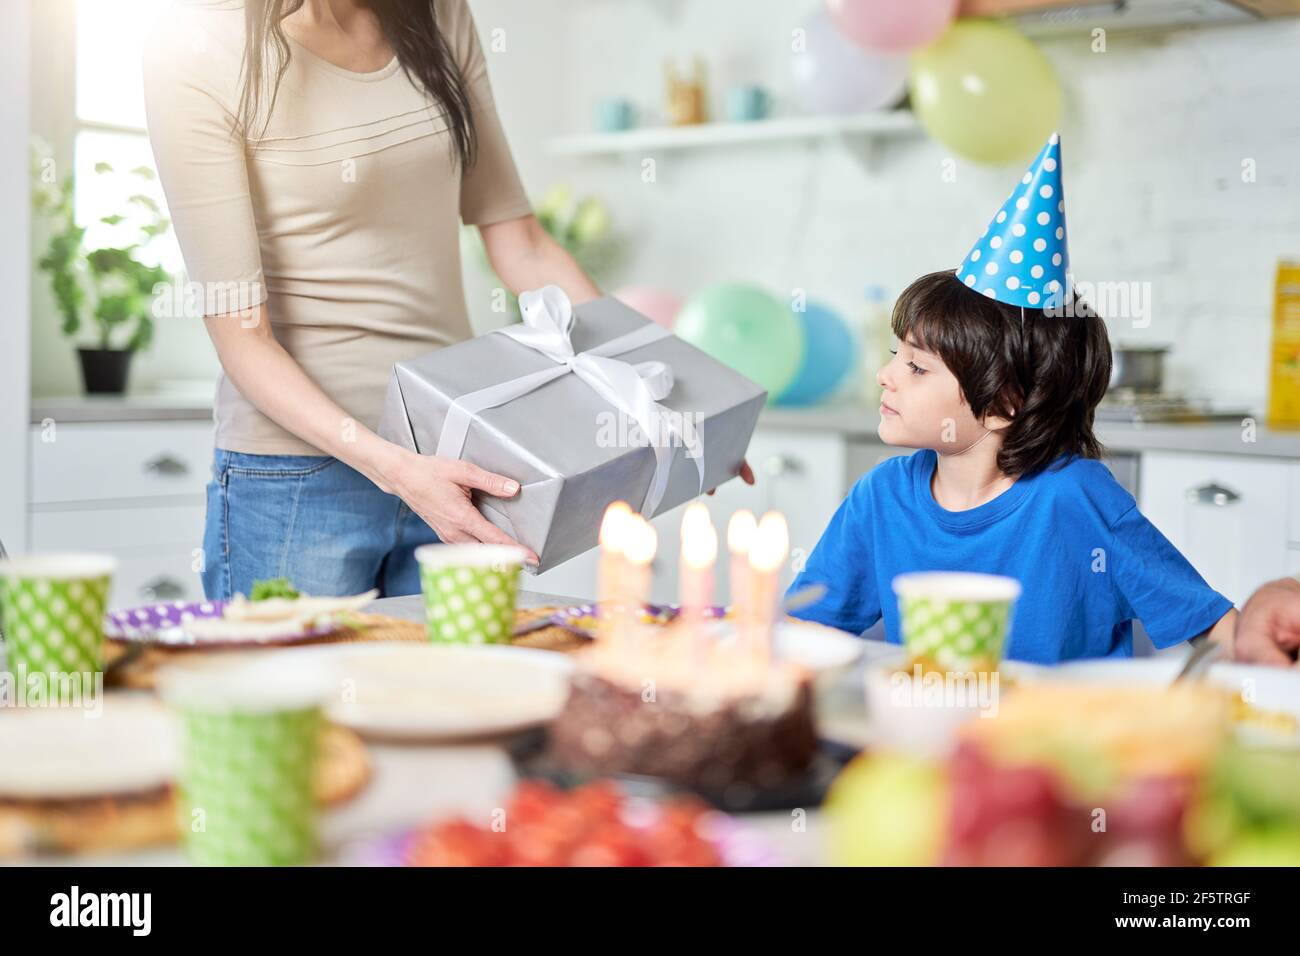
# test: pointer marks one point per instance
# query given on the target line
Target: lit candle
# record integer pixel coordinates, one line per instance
(767, 554)
(639, 551)
(699, 554)
(612, 575)
(740, 535)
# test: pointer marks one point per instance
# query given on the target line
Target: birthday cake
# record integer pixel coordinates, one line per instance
(708, 718)
(693, 703)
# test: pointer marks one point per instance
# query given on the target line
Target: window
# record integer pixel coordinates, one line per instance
(110, 127)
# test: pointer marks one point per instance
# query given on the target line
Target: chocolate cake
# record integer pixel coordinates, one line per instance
(710, 720)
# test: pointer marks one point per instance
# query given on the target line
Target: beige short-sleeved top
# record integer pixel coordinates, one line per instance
(342, 215)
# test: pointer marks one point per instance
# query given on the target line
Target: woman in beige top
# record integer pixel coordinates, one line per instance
(318, 157)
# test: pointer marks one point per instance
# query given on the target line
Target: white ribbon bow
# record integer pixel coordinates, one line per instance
(635, 390)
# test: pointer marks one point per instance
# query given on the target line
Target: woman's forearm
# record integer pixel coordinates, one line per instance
(439, 490)
(524, 256)
(277, 386)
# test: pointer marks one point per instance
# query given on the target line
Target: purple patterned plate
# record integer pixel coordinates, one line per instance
(736, 843)
(164, 624)
(583, 618)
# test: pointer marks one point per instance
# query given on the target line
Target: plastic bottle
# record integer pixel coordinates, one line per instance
(877, 340)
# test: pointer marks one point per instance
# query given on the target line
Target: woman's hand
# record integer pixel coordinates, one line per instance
(438, 490)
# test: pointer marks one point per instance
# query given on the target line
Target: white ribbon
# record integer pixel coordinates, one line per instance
(635, 390)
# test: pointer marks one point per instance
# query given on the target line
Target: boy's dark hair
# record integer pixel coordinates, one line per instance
(1046, 373)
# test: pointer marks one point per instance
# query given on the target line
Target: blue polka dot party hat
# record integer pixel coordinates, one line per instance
(1022, 257)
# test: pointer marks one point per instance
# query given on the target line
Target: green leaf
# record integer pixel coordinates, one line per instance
(110, 259)
(103, 167)
(114, 309)
(273, 588)
(112, 220)
(147, 202)
(144, 172)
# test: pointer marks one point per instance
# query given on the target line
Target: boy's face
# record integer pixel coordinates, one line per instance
(922, 405)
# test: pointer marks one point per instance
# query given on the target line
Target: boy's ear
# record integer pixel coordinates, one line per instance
(996, 423)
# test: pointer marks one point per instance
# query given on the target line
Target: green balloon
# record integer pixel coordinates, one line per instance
(747, 329)
(985, 92)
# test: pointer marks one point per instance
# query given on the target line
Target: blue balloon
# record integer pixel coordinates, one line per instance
(829, 355)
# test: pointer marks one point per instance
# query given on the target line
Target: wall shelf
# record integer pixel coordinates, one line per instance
(886, 123)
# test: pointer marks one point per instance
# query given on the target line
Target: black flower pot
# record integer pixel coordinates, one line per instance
(105, 371)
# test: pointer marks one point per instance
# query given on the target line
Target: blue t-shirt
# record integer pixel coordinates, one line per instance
(1086, 558)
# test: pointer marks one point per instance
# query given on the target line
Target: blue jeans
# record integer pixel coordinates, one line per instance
(313, 520)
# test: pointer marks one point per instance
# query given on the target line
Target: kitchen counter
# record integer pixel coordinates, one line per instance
(859, 423)
(145, 407)
(855, 422)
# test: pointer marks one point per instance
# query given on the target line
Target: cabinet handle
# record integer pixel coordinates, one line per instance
(779, 465)
(166, 465)
(1213, 493)
(162, 589)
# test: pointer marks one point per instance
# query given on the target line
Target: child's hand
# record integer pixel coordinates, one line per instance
(1268, 631)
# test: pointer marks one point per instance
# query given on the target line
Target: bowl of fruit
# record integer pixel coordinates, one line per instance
(1076, 775)
(596, 824)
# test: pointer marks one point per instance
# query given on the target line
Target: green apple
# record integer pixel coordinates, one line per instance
(887, 810)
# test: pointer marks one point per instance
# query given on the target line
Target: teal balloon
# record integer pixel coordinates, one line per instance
(829, 355)
(746, 328)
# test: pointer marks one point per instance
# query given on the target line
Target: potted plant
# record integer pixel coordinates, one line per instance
(111, 284)
(581, 226)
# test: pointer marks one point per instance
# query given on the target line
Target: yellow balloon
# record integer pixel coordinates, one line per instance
(985, 92)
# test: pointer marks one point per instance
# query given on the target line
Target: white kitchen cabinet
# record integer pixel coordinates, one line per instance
(1226, 514)
(103, 460)
(802, 474)
(134, 490)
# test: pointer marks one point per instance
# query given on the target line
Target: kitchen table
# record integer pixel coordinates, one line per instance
(412, 784)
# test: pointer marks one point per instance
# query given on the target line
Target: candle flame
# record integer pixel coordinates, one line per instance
(771, 542)
(613, 527)
(699, 540)
(641, 542)
(740, 531)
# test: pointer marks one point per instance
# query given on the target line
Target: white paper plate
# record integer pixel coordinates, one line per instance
(426, 692)
(129, 746)
(822, 650)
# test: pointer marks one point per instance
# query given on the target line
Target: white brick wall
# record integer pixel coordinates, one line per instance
(1155, 132)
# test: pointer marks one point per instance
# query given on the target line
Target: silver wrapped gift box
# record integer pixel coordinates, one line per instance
(565, 403)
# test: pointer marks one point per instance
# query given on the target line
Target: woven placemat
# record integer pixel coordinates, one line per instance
(136, 667)
(140, 820)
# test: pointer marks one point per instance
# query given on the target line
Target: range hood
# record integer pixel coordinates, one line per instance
(1047, 17)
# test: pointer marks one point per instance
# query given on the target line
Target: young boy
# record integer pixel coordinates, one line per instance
(996, 382)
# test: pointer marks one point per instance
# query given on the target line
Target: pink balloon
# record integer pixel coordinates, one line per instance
(892, 26)
(658, 304)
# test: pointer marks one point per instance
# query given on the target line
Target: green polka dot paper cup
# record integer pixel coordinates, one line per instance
(52, 614)
(250, 735)
(955, 621)
(469, 591)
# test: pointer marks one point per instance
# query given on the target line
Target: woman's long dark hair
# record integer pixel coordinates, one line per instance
(412, 30)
